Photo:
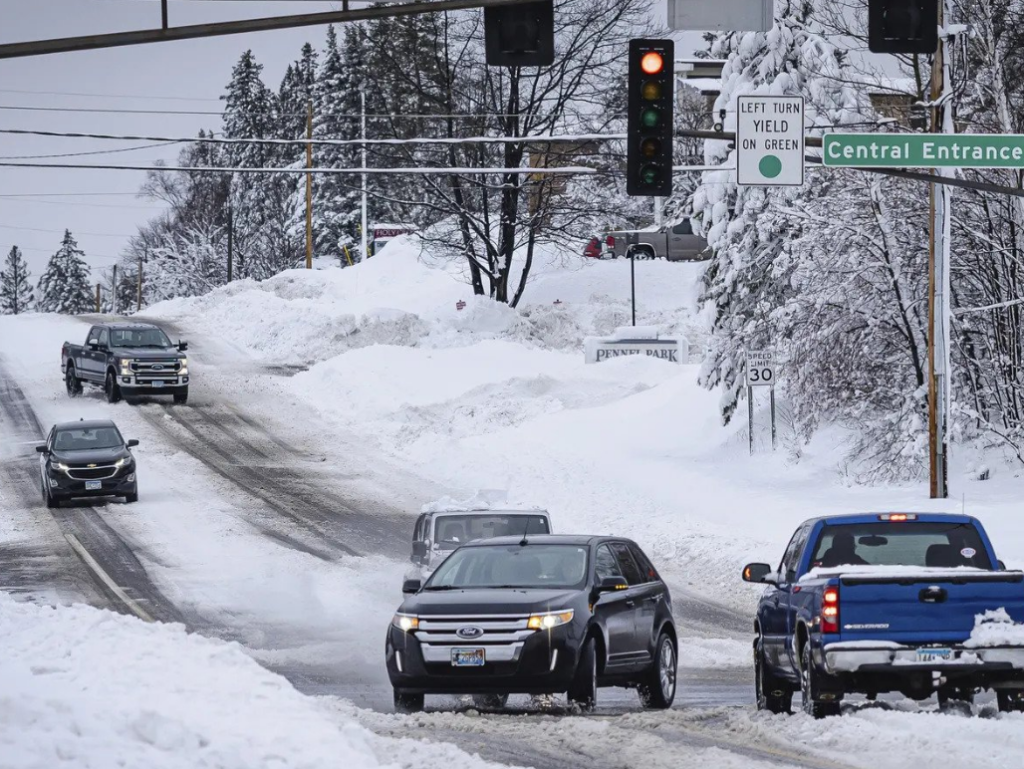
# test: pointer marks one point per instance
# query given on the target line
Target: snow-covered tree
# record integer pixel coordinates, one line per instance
(16, 295)
(187, 264)
(749, 228)
(64, 285)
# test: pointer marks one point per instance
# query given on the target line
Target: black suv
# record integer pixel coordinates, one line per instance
(87, 459)
(542, 615)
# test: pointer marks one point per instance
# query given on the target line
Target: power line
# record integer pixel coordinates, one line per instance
(528, 171)
(59, 232)
(125, 111)
(76, 203)
(50, 251)
(108, 95)
(82, 154)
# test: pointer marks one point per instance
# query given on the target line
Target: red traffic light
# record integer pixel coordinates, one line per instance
(652, 63)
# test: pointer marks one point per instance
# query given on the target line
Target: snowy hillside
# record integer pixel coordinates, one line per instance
(497, 398)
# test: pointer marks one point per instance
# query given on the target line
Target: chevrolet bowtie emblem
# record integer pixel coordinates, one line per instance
(92, 465)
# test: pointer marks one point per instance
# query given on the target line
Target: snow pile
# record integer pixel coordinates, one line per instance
(91, 689)
(995, 628)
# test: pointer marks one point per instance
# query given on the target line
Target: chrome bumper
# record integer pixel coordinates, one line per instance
(851, 657)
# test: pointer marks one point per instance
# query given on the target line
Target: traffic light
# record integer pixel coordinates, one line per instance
(650, 120)
(520, 35)
(903, 26)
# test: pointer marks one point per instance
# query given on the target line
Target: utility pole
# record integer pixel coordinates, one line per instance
(362, 103)
(113, 291)
(658, 208)
(231, 241)
(138, 307)
(938, 273)
(97, 298)
(309, 186)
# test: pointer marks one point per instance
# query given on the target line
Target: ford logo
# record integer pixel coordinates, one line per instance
(469, 632)
(158, 367)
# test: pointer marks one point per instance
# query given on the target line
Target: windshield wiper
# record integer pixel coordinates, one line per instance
(444, 587)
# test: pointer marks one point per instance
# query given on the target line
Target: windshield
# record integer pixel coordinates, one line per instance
(85, 439)
(139, 337)
(940, 545)
(454, 530)
(508, 566)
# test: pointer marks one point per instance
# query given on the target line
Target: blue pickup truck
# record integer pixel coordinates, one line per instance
(892, 602)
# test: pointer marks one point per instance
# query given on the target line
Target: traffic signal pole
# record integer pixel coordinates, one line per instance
(939, 366)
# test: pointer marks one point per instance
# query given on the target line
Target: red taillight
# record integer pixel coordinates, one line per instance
(830, 610)
(610, 241)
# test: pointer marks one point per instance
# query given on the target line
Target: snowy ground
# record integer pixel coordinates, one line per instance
(367, 392)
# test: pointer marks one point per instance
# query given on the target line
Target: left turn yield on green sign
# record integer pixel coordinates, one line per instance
(770, 141)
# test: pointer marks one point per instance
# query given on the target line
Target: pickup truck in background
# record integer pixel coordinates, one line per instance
(677, 243)
(893, 602)
(127, 359)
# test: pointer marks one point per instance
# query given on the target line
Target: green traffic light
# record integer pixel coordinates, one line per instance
(650, 174)
(650, 117)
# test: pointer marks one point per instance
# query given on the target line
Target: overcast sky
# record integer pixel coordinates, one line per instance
(100, 207)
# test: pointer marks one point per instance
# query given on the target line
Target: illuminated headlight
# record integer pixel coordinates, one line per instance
(122, 462)
(549, 620)
(126, 366)
(62, 466)
(406, 622)
(183, 371)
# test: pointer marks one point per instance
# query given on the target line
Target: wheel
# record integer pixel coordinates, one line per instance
(583, 691)
(408, 703)
(48, 497)
(1010, 700)
(659, 689)
(181, 398)
(73, 383)
(490, 701)
(810, 688)
(111, 389)
(131, 498)
(773, 694)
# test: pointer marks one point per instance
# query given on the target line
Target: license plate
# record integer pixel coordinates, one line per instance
(934, 655)
(93, 485)
(467, 658)
(158, 383)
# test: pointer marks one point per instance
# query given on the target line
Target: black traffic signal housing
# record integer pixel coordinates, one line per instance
(520, 35)
(651, 118)
(903, 26)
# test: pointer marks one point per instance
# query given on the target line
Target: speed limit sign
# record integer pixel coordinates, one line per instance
(760, 368)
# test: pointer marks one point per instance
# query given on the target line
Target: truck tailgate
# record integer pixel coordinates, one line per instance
(910, 609)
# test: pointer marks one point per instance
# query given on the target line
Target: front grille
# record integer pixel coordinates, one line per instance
(92, 473)
(501, 636)
(156, 369)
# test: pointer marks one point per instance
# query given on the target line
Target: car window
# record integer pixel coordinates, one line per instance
(606, 565)
(94, 335)
(104, 337)
(87, 438)
(417, 533)
(454, 530)
(512, 566)
(683, 228)
(939, 545)
(650, 573)
(628, 565)
(789, 560)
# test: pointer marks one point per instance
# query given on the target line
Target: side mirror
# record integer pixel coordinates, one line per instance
(182, 346)
(93, 344)
(419, 549)
(757, 572)
(411, 586)
(611, 584)
(132, 442)
(41, 449)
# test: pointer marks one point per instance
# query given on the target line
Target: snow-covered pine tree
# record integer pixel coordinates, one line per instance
(16, 295)
(749, 228)
(64, 285)
(336, 110)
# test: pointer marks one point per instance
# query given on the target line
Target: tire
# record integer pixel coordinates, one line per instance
(49, 499)
(955, 697)
(583, 690)
(131, 498)
(111, 388)
(773, 694)
(408, 703)
(1010, 700)
(490, 701)
(181, 398)
(71, 382)
(658, 690)
(810, 688)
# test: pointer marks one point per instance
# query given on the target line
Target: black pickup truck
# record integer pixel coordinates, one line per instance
(127, 359)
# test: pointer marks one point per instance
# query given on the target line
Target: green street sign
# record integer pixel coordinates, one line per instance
(865, 150)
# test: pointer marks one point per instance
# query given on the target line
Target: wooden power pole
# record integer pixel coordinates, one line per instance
(309, 187)
(97, 298)
(138, 307)
(113, 291)
(231, 241)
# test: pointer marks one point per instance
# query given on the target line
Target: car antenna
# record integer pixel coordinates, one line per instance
(526, 531)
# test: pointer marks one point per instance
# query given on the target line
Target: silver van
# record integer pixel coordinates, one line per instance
(438, 534)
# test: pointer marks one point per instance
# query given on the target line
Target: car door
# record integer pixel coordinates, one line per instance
(614, 612)
(636, 600)
(774, 607)
(684, 243)
(45, 457)
(789, 578)
(652, 600)
(99, 357)
(86, 365)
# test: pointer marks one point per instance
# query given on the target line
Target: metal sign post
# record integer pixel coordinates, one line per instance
(760, 373)
(632, 240)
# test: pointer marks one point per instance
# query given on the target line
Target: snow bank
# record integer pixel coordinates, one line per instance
(92, 689)
(484, 499)
(995, 628)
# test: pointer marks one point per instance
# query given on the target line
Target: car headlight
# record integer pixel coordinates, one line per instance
(183, 371)
(550, 620)
(126, 366)
(122, 462)
(406, 622)
(62, 466)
